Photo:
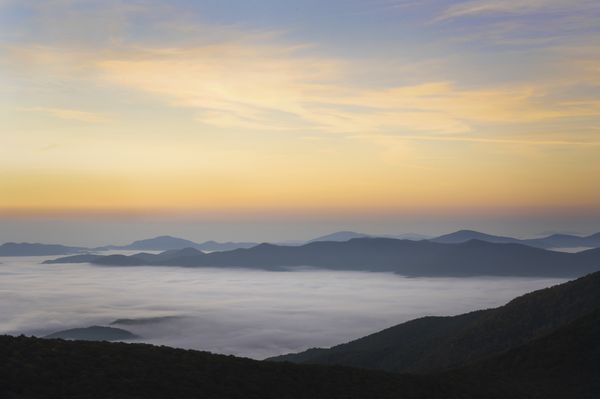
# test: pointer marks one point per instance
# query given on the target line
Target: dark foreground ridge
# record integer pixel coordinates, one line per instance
(436, 343)
(563, 364)
(38, 368)
(411, 258)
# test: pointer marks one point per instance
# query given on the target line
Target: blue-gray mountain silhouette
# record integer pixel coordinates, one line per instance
(165, 243)
(340, 236)
(36, 249)
(461, 236)
(411, 258)
(551, 241)
(94, 333)
(349, 235)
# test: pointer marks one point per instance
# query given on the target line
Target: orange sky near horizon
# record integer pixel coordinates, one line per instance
(187, 116)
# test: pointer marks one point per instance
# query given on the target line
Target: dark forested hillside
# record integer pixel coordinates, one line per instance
(563, 364)
(435, 343)
(56, 369)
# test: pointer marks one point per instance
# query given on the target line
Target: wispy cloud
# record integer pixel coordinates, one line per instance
(70, 114)
(253, 81)
(476, 7)
(265, 88)
(276, 87)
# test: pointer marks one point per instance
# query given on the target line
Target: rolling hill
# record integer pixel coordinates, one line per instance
(437, 343)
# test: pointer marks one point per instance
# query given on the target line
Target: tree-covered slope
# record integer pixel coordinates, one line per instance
(49, 369)
(563, 364)
(435, 343)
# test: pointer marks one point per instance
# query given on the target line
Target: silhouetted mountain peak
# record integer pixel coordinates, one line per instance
(340, 236)
(161, 242)
(562, 236)
(465, 235)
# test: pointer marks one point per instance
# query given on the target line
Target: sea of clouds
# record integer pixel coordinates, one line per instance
(244, 312)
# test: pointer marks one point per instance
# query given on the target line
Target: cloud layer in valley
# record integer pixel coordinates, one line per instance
(242, 312)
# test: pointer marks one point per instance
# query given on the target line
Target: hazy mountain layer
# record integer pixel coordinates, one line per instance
(552, 241)
(411, 258)
(34, 249)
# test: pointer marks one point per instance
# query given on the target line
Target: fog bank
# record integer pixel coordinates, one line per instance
(243, 312)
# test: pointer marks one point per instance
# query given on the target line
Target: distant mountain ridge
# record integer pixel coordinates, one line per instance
(461, 236)
(36, 249)
(349, 235)
(165, 243)
(411, 258)
(339, 236)
(551, 241)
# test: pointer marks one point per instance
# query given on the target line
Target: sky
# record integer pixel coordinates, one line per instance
(281, 119)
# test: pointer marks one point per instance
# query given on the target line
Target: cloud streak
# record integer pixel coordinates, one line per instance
(70, 114)
(265, 87)
(477, 7)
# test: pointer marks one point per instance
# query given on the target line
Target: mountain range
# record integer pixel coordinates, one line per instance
(406, 257)
(551, 241)
(165, 243)
(541, 345)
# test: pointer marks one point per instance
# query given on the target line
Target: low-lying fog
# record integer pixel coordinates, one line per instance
(235, 311)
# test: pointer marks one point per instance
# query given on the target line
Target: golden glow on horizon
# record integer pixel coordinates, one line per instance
(260, 125)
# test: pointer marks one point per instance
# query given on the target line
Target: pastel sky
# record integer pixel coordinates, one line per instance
(359, 109)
